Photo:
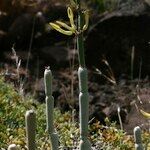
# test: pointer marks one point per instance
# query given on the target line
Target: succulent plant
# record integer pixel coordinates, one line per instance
(83, 104)
(49, 109)
(137, 138)
(12, 147)
(30, 119)
(82, 25)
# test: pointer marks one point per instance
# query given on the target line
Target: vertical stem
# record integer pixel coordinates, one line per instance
(80, 48)
(30, 118)
(80, 44)
(83, 87)
(50, 108)
(84, 106)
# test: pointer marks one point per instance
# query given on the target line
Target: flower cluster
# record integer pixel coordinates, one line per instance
(72, 29)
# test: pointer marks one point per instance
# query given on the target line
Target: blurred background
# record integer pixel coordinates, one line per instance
(116, 28)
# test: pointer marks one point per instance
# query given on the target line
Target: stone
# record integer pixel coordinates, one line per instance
(114, 36)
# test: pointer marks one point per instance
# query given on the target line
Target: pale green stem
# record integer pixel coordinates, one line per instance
(84, 109)
(30, 119)
(12, 147)
(137, 138)
(49, 109)
(83, 87)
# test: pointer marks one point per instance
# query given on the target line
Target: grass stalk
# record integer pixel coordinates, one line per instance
(132, 61)
(119, 116)
(30, 44)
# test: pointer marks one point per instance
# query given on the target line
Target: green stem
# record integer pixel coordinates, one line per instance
(84, 109)
(12, 147)
(30, 118)
(137, 138)
(50, 109)
(83, 86)
(80, 48)
(80, 44)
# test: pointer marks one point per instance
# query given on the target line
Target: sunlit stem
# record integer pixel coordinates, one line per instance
(30, 119)
(83, 86)
(12, 147)
(137, 138)
(50, 109)
(84, 109)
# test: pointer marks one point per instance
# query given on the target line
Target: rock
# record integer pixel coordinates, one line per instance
(28, 30)
(114, 36)
(54, 56)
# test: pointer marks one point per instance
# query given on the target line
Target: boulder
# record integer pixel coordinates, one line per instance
(116, 34)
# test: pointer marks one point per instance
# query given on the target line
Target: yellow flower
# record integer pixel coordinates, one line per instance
(71, 17)
(69, 30)
(86, 15)
(145, 114)
(65, 26)
(57, 27)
